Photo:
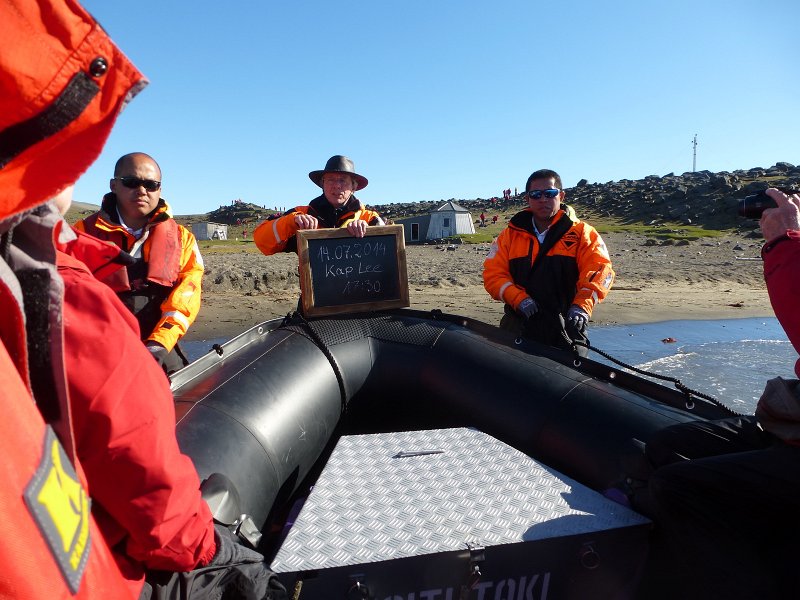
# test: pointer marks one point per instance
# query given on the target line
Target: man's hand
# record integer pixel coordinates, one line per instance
(775, 222)
(527, 308)
(157, 351)
(577, 317)
(305, 221)
(357, 228)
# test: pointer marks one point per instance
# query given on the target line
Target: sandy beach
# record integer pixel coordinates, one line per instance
(710, 278)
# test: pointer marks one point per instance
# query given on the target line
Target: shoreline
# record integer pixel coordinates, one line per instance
(706, 279)
(226, 315)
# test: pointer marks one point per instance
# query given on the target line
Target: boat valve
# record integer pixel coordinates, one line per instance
(477, 554)
(589, 557)
(245, 529)
(357, 591)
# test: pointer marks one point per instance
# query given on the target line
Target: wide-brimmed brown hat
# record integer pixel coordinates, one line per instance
(338, 164)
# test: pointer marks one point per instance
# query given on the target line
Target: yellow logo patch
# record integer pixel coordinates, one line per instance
(61, 509)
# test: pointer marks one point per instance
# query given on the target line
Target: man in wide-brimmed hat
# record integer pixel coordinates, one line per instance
(336, 207)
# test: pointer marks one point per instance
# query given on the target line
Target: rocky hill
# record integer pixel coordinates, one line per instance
(697, 198)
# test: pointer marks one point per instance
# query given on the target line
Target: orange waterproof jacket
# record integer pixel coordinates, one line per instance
(179, 270)
(575, 270)
(279, 234)
(62, 85)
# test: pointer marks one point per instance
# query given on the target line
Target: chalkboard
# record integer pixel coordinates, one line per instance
(341, 273)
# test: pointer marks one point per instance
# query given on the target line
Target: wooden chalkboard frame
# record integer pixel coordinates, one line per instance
(394, 235)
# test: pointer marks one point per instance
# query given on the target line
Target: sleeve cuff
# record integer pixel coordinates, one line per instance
(791, 234)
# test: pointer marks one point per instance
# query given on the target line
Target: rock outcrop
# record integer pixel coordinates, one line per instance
(696, 198)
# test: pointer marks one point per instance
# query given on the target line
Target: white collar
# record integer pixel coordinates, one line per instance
(540, 235)
(134, 232)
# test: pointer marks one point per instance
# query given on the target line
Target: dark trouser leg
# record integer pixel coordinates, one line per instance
(677, 444)
(732, 522)
(699, 439)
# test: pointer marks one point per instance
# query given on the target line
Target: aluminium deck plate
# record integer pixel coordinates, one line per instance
(393, 495)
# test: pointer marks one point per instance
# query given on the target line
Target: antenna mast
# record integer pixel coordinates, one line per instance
(694, 153)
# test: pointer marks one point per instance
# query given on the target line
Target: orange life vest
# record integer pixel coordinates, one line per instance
(163, 241)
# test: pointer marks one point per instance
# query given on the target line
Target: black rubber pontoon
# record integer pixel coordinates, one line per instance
(265, 407)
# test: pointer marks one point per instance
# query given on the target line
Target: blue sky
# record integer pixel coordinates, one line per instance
(440, 99)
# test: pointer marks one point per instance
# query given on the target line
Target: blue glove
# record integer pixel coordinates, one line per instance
(527, 308)
(578, 317)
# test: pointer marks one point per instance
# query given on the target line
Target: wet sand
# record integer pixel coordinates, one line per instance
(711, 278)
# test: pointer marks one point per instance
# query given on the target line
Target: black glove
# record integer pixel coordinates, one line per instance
(527, 308)
(249, 576)
(578, 317)
(158, 352)
(229, 550)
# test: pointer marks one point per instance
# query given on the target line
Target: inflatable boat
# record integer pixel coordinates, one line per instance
(420, 455)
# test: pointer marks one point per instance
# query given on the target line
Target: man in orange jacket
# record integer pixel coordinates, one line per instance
(90, 455)
(161, 285)
(336, 207)
(549, 268)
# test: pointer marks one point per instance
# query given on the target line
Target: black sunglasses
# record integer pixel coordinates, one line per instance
(537, 194)
(151, 185)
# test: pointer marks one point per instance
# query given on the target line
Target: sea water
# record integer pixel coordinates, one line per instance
(730, 360)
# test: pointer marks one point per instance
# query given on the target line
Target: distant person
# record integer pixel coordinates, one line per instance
(727, 493)
(549, 269)
(483, 220)
(161, 285)
(494, 219)
(337, 206)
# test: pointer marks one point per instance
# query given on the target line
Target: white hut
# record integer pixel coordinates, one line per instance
(210, 231)
(447, 220)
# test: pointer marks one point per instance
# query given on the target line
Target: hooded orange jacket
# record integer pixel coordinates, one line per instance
(182, 278)
(575, 270)
(280, 234)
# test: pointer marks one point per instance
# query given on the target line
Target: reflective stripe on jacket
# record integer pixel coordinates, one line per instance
(575, 270)
(279, 234)
(174, 272)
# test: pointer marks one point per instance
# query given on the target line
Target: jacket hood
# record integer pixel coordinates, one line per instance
(62, 84)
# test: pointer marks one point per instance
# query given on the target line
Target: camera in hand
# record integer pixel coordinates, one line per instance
(752, 207)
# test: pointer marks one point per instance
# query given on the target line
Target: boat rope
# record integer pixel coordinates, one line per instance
(680, 386)
(296, 316)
